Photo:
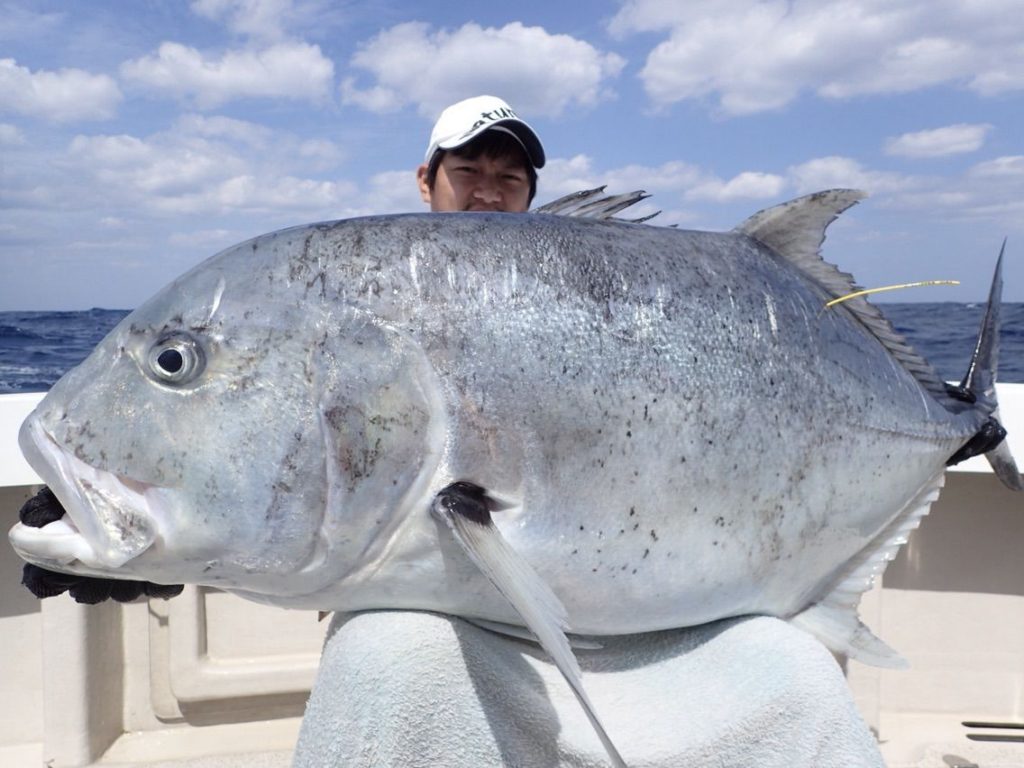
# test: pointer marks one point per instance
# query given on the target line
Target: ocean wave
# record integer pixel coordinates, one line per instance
(13, 333)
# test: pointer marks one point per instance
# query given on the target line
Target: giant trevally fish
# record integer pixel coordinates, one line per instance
(537, 421)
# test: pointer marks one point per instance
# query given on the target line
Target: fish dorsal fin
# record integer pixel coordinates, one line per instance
(595, 204)
(796, 230)
(833, 619)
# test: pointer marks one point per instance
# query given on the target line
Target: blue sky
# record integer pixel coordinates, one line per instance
(137, 138)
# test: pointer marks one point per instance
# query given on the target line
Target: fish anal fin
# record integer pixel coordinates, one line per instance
(465, 508)
(839, 629)
(833, 619)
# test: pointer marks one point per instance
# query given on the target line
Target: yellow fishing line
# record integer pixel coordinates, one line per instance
(920, 284)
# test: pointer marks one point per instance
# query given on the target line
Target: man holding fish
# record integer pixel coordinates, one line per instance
(481, 157)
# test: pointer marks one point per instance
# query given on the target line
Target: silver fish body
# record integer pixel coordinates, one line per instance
(683, 431)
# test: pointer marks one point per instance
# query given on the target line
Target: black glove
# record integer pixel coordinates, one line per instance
(44, 508)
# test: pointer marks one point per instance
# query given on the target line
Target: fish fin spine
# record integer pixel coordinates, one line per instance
(594, 204)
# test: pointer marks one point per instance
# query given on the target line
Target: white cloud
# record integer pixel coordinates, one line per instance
(320, 154)
(749, 185)
(208, 239)
(938, 142)
(201, 165)
(676, 187)
(155, 169)
(262, 19)
(563, 176)
(260, 194)
(750, 56)
(241, 131)
(667, 182)
(62, 96)
(843, 172)
(539, 73)
(18, 23)
(1007, 167)
(386, 192)
(289, 70)
(10, 136)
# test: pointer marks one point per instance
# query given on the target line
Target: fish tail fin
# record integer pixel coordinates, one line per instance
(980, 379)
(979, 386)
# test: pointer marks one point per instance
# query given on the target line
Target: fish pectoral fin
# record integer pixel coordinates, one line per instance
(466, 509)
(833, 619)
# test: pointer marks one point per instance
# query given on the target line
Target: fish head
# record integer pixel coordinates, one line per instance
(234, 431)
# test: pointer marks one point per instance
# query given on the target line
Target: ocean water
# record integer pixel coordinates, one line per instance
(36, 348)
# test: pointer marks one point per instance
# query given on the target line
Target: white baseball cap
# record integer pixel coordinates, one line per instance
(465, 120)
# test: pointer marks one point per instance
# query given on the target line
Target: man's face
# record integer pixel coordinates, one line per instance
(483, 184)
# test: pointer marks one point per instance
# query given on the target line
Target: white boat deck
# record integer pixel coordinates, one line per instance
(208, 680)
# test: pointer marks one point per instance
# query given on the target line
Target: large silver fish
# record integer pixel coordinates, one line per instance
(624, 427)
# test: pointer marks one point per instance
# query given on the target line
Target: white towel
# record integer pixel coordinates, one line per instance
(418, 689)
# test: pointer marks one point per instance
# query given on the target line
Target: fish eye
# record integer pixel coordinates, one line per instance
(176, 360)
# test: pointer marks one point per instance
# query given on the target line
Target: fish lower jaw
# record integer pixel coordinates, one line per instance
(55, 545)
(108, 520)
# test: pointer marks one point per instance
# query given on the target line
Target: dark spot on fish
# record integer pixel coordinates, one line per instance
(581, 527)
(646, 553)
(654, 534)
(632, 511)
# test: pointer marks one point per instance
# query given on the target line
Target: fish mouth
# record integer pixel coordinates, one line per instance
(109, 519)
